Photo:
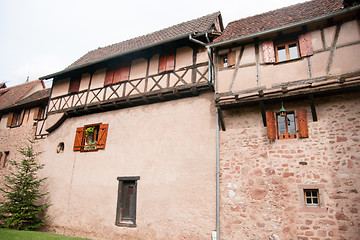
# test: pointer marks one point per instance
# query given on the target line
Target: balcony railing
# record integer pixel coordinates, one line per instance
(192, 78)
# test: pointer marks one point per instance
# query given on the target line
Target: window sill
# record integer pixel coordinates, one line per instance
(313, 209)
(287, 61)
(126, 224)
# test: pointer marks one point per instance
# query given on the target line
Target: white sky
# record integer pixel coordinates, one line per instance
(40, 37)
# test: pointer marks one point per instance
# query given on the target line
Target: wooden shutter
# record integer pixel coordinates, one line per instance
(74, 84)
(270, 124)
(301, 122)
(78, 139)
(231, 59)
(21, 117)
(125, 71)
(162, 63)
(117, 75)
(36, 113)
(268, 51)
(109, 76)
(170, 61)
(305, 45)
(9, 120)
(103, 129)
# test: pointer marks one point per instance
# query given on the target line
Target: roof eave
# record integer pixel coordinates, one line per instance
(286, 27)
(186, 35)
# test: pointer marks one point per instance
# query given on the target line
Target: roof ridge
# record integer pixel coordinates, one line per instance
(141, 36)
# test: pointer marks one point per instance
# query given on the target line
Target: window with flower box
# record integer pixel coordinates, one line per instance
(90, 137)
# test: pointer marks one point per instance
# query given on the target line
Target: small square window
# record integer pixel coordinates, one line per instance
(287, 51)
(311, 197)
(15, 119)
(90, 137)
(224, 61)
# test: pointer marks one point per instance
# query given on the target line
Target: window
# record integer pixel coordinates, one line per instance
(90, 137)
(290, 125)
(311, 197)
(167, 61)
(117, 73)
(74, 84)
(284, 51)
(287, 51)
(286, 125)
(126, 203)
(227, 60)
(15, 119)
(39, 113)
(5, 162)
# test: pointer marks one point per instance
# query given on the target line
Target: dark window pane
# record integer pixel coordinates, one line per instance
(308, 194)
(315, 200)
(308, 200)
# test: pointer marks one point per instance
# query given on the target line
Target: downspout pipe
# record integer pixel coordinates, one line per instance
(211, 79)
(217, 176)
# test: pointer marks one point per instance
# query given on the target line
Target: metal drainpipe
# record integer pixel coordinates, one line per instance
(212, 81)
(217, 176)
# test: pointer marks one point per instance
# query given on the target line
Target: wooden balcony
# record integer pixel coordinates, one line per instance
(188, 81)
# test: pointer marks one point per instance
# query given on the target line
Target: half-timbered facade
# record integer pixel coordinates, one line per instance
(131, 142)
(287, 94)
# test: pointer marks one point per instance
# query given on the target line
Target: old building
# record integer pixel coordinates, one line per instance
(287, 93)
(131, 147)
(22, 110)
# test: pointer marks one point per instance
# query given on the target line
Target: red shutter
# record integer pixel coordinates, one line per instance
(125, 71)
(162, 63)
(170, 61)
(78, 139)
(102, 136)
(301, 121)
(270, 124)
(10, 117)
(231, 59)
(74, 84)
(305, 45)
(109, 76)
(268, 51)
(36, 113)
(117, 74)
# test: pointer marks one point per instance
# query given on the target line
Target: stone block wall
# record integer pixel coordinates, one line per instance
(262, 181)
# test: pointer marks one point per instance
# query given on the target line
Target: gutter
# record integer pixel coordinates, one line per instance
(182, 36)
(217, 176)
(209, 52)
(283, 28)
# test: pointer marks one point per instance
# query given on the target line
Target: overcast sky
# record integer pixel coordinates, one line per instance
(40, 37)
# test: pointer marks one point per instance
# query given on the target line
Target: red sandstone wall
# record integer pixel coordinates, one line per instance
(260, 179)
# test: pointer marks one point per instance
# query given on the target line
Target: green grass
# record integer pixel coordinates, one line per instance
(30, 235)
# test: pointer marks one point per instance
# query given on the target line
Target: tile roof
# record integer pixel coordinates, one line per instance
(41, 95)
(12, 95)
(198, 25)
(279, 17)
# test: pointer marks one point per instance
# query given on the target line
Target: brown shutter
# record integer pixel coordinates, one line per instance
(109, 76)
(102, 136)
(231, 59)
(78, 139)
(74, 84)
(117, 74)
(270, 124)
(305, 45)
(10, 117)
(301, 121)
(170, 61)
(36, 113)
(22, 114)
(268, 51)
(162, 63)
(125, 71)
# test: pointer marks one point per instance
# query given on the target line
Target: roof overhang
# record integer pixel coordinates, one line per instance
(284, 28)
(89, 64)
